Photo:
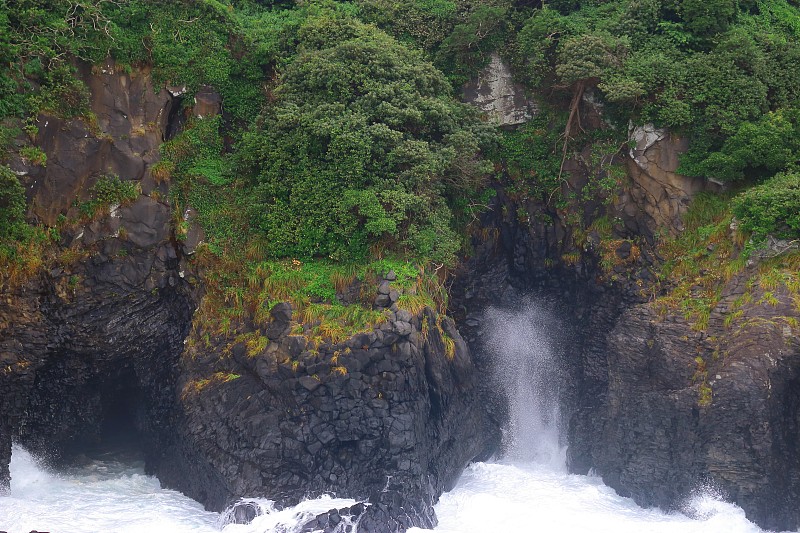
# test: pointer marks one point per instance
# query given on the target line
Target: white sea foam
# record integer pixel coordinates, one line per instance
(109, 496)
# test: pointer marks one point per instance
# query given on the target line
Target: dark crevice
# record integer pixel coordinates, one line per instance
(176, 118)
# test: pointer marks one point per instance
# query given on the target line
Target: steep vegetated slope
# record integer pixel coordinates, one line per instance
(251, 212)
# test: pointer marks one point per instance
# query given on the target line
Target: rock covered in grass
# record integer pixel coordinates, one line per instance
(389, 416)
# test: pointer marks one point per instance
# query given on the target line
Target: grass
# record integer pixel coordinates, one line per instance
(194, 387)
(699, 260)
(708, 254)
(331, 301)
(23, 259)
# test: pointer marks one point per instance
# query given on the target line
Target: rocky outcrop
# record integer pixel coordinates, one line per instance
(95, 349)
(88, 345)
(121, 137)
(657, 407)
(386, 417)
(495, 93)
(657, 195)
(686, 409)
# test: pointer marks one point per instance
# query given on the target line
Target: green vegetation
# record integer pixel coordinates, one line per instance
(700, 259)
(331, 300)
(21, 245)
(373, 142)
(12, 206)
(342, 143)
(772, 207)
(108, 191)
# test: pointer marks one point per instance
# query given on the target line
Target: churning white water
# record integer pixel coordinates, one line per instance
(107, 496)
(528, 490)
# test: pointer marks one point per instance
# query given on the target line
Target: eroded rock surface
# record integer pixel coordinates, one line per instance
(686, 410)
(385, 417)
(658, 195)
(495, 93)
(653, 405)
(92, 350)
(129, 124)
(95, 337)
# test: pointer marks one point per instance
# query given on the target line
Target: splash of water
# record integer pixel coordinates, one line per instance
(109, 495)
(529, 488)
(522, 343)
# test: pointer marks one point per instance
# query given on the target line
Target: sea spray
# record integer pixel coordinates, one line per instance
(529, 488)
(522, 344)
(109, 495)
(526, 490)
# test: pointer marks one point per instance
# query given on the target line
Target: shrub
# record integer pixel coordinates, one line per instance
(361, 149)
(108, 190)
(772, 208)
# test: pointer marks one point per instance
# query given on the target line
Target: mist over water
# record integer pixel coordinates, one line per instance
(523, 344)
(527, 489)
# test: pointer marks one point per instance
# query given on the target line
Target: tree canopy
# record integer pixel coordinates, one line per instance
(361, 146)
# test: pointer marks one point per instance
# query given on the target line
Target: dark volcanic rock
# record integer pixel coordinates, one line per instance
(390, 424)
(94, 353)
(687, 411)
(655, 407)
(89, 349)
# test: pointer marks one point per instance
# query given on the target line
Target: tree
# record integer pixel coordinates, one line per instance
(361, 147)
(12, 205)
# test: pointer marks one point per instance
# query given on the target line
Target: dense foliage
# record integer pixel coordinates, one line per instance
(772, 207)
(709, 69)
(342, 134)
(12, 206)
(362, 146)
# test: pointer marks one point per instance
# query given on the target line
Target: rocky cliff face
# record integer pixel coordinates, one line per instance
(99, 344)
(92, 338)
(385, 416)
(656, 406)
(498, 96)
(686, 410)
(657, 195)
(98, 349)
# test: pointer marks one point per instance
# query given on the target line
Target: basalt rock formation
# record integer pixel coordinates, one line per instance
(99, 351)
(657, 407)
(385, 417)
(87, 347)
(102, 345)
(687, 410)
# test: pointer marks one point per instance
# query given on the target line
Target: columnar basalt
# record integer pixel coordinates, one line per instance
(97, 352)
(389, 416)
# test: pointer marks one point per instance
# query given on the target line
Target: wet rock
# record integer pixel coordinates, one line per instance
(243, 513)
(376, 413)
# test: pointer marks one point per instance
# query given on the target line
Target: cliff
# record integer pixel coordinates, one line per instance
(672, 382)
(662, 400)
(99, 348)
